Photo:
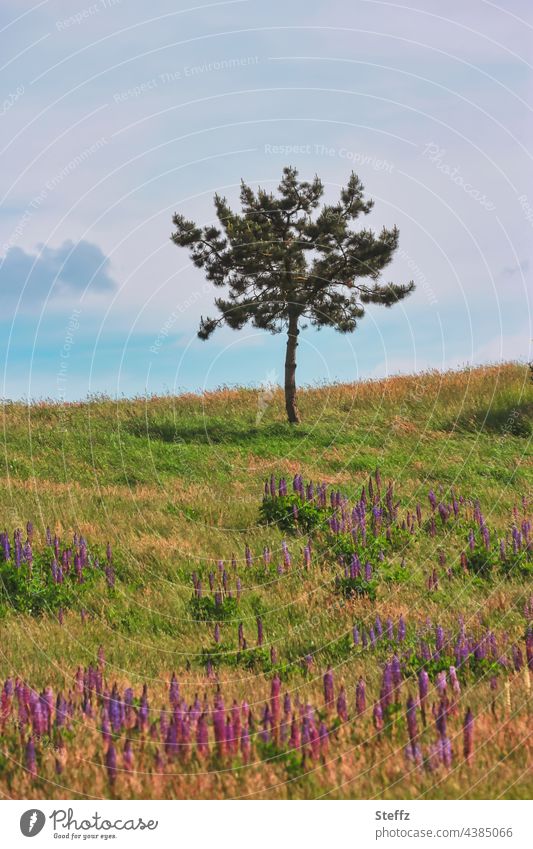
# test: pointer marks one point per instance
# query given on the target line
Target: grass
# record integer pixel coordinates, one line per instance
(175, 484)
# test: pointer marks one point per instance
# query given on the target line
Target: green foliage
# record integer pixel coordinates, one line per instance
(34, 591)
(205, 609)
(357, 586)
(279, 511)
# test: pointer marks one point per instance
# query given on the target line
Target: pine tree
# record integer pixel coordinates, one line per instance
(282, 263)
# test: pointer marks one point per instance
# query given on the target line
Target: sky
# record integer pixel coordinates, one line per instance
(115, 114)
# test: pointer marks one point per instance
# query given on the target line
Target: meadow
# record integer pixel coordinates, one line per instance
(198, 600)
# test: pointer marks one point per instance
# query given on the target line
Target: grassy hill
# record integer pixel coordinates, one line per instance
(175, 485)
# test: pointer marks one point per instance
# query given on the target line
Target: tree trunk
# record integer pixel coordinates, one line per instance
(290, 371)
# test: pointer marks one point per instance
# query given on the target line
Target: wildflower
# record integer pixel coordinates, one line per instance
(259, 631)
(411, 723)
(329, 691)
(275, 689)
(128, 756)
(342, 708)
(31, 763)
(202, 736)
(360, 697)
(111, 763)
(468, 736)
(377, 716)
(401, 630)
(245, 745)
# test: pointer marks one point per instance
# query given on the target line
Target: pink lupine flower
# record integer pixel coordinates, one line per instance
(360, 697)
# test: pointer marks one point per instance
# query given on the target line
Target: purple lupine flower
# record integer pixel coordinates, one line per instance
(468, 736)
(396, 672)
(248, 556)
(377, 716)
(245, 745)
(355, 635)
(368, 571)
(144, 710)
(471, 540)
(423, 687)
(202, 736)
(529, 648)
(456, 686)
(342, 707)
(432, 499)
(401, 629)
(127, 757)
(217, 633)
(111, 763)
(307, 557)
(260, 634)
(444, 512)
(174, 690)
(31, 762)
(360, 696)
(275, 708)
(441, 683)
(385, 696)
(412, 727)
(295, 738)
(518, 659)
(439, 639)
(329, 689)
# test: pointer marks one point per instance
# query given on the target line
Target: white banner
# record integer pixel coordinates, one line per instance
(264, 825)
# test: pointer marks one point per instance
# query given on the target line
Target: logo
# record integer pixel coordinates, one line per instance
(32, 822)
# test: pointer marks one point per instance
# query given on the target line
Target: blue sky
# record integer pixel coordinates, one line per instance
(116, 114)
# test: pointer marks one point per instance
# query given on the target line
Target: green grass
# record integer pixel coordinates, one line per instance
(176, 483)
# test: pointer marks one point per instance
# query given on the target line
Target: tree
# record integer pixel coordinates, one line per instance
(281, 263)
